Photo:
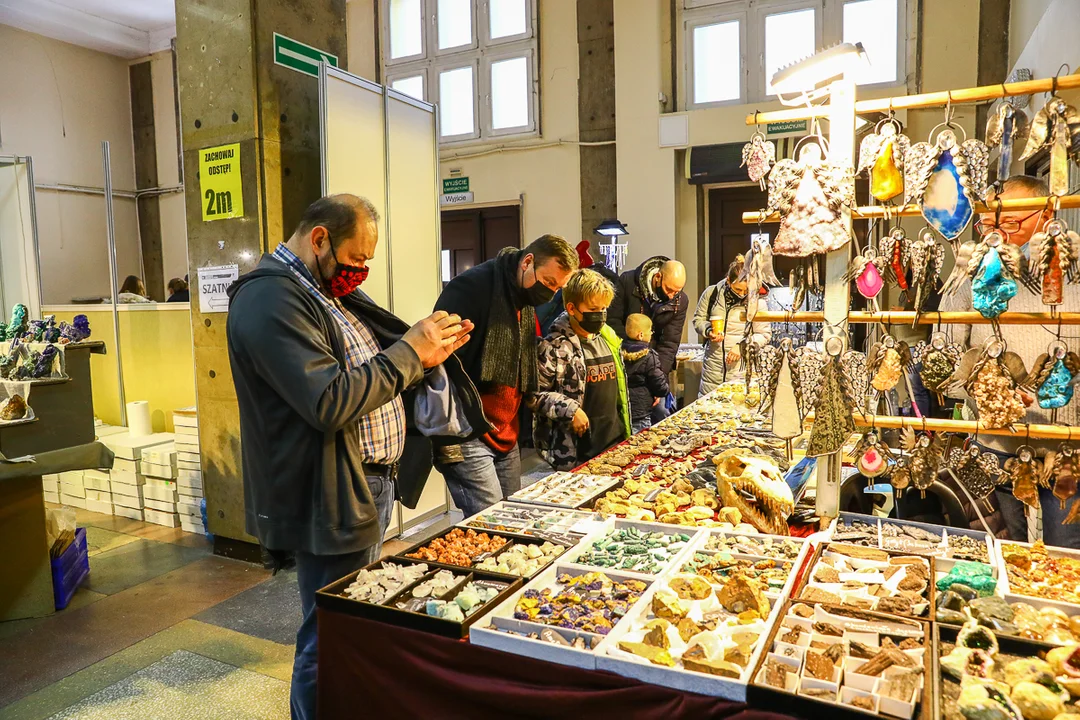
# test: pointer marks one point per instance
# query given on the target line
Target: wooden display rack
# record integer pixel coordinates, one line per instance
(841, 112)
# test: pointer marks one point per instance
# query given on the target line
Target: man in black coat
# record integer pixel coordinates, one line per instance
(319, 371)
(501, 296)
(654, 289)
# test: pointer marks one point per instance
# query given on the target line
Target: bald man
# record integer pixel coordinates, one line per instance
(655, 289)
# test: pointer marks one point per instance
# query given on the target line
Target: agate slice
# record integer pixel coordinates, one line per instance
(945, 205)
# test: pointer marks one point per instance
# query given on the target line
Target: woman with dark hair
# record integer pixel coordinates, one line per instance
(716, 321)
(178, 291)
(132, 291)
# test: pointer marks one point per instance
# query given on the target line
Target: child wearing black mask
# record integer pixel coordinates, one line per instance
(582, 408)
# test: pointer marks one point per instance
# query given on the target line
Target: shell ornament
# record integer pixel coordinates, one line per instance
(945, 178)
(758, 157)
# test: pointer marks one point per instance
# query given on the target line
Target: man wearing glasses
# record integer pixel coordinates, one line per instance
(1029, 342)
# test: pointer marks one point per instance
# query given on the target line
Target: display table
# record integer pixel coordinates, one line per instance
(378, 670)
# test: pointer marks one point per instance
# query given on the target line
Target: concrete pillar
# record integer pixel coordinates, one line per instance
(146, 176)
(596, 114)
(232, 92)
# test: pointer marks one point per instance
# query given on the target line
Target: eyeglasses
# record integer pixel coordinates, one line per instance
(1006, 225)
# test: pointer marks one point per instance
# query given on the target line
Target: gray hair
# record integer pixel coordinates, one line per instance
(1030, 186)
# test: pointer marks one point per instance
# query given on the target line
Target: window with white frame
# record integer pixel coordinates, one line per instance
(477, 59)
(732, 48)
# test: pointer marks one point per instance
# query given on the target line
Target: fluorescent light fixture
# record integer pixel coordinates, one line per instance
(611, 228)
(805, 74)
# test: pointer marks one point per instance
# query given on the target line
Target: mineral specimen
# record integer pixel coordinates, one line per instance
(864, 702)
(1036, 702)
(691, 588)
(632, 549)
(820, 667)
(776, 674)
(378, 585)
(14, 408)
(964, 662)
(886, 658)
(458, 547)
(1029, 669)
(695, 659)
(986, 702)
(522, 560)
(655, 655)
(591, 602)
(742, 594)
(900, 686)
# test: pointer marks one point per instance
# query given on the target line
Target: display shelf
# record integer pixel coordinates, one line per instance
(943, 563)
(1010, 594)
(925, 100)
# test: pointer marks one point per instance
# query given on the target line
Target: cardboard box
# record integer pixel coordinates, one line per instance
(168, 519)
(99, 496)
(188, 524)
(52, 497)
(159, 505)
(99, 506)
(188, 465)
(189, 457)
(130, 448)
(186, 417)
(188, 509)
(132, 513)
(73, 490)
(158, 471)
(186, 431)
(127, 478)
(75, 476)
(77, 502)
(103, 430)
(190, 484)
(49, 483)
(95, 483)
(160, 455)
(191, 476)
(128, 501)
(125, 465)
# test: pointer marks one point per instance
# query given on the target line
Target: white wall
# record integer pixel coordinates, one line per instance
(57, 103)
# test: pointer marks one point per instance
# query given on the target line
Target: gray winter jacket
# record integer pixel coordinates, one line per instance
(719, 302)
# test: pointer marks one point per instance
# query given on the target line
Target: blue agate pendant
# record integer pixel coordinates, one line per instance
(1056, 392)
(991, 289)
(945, 205)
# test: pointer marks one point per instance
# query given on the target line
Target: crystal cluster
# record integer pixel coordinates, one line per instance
(379, 585)
(592, 602)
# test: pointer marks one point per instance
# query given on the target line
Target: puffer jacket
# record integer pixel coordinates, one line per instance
(645, 379)
(562, 391)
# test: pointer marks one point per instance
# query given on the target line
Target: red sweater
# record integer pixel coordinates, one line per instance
(501, 405)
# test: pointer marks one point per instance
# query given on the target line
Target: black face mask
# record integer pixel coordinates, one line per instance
(592, 322)
(659, 290)
(538, 294)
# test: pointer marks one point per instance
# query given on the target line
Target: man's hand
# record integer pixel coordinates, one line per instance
(580, 422)
(437, 336)
(732, 358)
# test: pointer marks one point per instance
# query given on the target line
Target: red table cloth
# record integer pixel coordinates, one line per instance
(370, 669)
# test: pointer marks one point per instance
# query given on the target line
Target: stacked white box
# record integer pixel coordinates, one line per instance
(159, 492)
(188, 471)
(127, 479)
(72, 490)
(50, 487)
(98, 489)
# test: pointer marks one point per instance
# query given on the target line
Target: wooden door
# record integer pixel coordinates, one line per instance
(475, 235)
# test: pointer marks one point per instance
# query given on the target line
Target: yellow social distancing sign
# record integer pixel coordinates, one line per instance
(220, 183)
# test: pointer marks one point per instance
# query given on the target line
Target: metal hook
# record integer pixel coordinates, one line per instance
(948, 108)
(1054, 80)
(997, 213)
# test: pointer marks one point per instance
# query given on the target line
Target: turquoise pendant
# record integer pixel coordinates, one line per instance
(991, 290)
(1056, 392)
(944, 205)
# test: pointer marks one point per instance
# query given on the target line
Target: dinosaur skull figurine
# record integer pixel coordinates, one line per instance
(739, 471)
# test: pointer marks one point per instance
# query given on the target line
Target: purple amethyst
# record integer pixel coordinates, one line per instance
(44, 362)
(78, 331)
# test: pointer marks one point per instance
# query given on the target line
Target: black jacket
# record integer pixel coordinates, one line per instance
(304, 485)
(644, 378)
(667, 317)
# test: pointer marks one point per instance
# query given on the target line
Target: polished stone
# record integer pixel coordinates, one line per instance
(186, 686)
(991, 290)
(944, 205)
(270, 610)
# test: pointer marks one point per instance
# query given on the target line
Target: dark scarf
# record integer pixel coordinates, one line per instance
(509, 355)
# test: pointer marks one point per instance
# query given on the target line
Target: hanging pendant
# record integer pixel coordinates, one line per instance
(926, 257)
(834, 410)
(937, 361)
(992, 384)
(758, 157)
(901, 477)
(1065, 474)
(872, 457)
(866, 270)
(1007, 128)
(1055, 258)
(894, 248)
(945, 205)
(1052, 375)
(990, 289)
(886, 363)
(971, 472)
(1045, 129)
(786, 420)
(926, 460)
(810, 195)
(945, 178)
(882, 153)
(1023, 471)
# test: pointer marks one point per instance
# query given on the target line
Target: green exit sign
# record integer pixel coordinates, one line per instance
(455, 185)
(782, 128)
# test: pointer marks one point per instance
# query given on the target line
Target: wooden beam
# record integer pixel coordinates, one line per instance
(927, 318)
(870, 212)
(925, 100)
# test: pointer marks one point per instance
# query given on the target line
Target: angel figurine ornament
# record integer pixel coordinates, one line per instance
(778, 391)
(937, 360)
(886, 363)
(758, 157)
(991, 377)
(810, 195)
(977, 471)
(1024, 471)
(757, 273)
(994, 266)
(1064, 469)
(874, 458)
(945, 178)
(895, 248)
(834, 408)
(1055, 258)
(926, 257)
(1055, 125)
(882, 153)
(1007, 128)
(868, 270)
(926, 461)
(1051, 376)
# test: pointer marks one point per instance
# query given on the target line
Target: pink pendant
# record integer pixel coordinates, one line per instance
(872, 464)
(869, 282)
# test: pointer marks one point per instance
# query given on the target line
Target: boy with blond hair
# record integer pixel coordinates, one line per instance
(582, 407)
(646, 382)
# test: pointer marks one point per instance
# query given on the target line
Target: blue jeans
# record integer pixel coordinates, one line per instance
(1054, 533)
(314, 572)
(482, 478)
(637, 426)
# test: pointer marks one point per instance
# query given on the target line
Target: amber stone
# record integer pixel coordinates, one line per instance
(886, 181)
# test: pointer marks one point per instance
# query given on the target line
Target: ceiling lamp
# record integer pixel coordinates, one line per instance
(611, 228)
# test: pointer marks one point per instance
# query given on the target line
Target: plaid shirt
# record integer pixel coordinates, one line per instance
(382, 431)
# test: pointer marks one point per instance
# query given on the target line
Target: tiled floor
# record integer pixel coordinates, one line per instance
(163, 629)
